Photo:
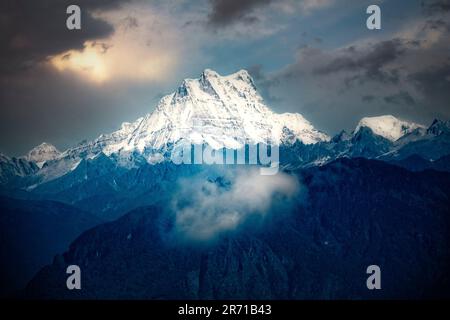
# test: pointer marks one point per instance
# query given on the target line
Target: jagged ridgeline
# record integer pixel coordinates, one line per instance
(228, 112)
(379, 194)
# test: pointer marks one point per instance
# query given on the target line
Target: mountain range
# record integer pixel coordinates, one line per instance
(228, 112)
(377, 194)
(357, 212)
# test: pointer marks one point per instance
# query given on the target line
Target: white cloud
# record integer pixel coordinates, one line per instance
(205, 208)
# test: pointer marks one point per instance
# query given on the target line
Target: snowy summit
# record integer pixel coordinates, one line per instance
(222, 111)
(42, 153)
(388, 126)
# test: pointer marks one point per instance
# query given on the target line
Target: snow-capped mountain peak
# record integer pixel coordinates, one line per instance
(388, 126)
(42, 153)
(222, 111)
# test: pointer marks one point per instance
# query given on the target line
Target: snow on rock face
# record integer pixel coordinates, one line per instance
(41, 153)
(301, 128)
(388, 126)
(222, 111)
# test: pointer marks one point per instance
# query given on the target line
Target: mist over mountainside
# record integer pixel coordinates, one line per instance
(356, 212)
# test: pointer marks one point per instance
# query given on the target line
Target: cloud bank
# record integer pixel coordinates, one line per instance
(32, 30)
(206, 208)
(404, 73)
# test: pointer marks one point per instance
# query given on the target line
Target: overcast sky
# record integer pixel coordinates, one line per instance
(315, 57)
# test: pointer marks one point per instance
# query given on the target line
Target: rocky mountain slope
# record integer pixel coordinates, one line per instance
(356, 213)
(32, 233)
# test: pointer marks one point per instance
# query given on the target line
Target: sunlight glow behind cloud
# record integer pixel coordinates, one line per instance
(143, 47)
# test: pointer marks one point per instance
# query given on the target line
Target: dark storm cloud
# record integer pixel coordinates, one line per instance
(32, 30)
(368, 98)
(407, 76)
(434, 84)
(401, 97)
(438, 24)
(436, 6)
(224, 12)
(356, 64)
(370, 62)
